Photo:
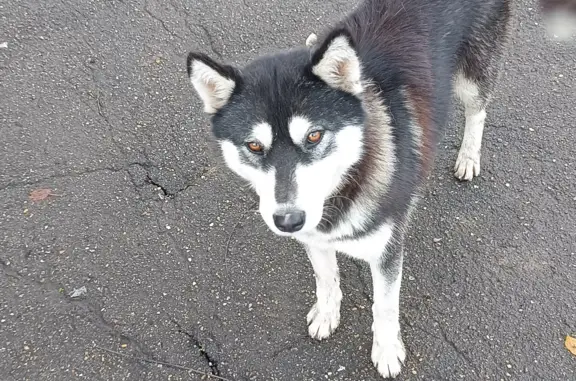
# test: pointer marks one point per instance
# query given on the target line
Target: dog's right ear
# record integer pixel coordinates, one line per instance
(214, 83)
(336, 62)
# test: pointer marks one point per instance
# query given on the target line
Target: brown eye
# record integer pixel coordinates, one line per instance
(255, 147)
(314, 137)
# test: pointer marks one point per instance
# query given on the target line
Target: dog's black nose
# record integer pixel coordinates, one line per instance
(290, 222)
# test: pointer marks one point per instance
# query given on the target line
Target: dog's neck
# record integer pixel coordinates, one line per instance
(349, 209)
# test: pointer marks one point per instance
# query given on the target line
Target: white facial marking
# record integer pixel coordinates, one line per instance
(262, 132)
(340, 67)
(324, 316)
(317, 181)
(231, 156)
(263, 182)
(299, 128)
(213, 88)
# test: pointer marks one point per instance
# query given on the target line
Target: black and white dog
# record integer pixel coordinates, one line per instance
(338, 138)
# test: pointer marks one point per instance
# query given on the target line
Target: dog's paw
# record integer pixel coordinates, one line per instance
(388, 356)
(323, 321)
(311, 40)
(467, 165)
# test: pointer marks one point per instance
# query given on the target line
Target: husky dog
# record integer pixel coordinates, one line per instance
(337, 137)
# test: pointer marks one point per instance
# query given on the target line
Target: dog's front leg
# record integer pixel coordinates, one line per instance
(388, 352)
(324, 316)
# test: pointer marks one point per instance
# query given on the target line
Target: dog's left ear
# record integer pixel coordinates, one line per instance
(336, 63)
(213, 82)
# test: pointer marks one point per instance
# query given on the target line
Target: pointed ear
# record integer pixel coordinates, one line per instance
(214, 83)
(336, 63)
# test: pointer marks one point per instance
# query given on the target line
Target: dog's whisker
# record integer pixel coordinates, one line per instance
(340, 197)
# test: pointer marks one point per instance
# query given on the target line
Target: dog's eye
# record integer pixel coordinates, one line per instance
(255, 147)
(314, 137)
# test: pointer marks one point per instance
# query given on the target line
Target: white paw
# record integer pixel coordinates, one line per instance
(323, 321)
(467, 165)
(388, 356)
(311, 40)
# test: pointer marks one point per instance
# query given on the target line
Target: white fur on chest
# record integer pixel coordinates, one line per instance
(368, 248)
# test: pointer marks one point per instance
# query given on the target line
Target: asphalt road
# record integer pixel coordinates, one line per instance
(176, 264)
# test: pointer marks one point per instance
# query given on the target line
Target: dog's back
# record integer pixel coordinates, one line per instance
(420, 45)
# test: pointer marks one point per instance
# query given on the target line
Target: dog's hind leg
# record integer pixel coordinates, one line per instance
(324, 316)
(388, 351)
(479, 66)
(468, 161)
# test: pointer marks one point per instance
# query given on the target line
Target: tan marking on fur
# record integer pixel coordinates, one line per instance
(379, 129)
(374, 170)
(343, 69)
(415, 127)
(423, 114)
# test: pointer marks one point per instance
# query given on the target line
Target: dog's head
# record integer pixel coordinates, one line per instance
(291, 124)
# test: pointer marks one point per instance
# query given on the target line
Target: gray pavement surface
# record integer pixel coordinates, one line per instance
(177, 265)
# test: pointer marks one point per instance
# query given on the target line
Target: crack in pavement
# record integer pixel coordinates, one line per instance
(157, 184)
(12, 272)
(67, 175)
(209, 37)
(417, 356)
(163, 188)
(206, 31)
(94, 313)
(289, 346)
(9, 271)
(211, 41)
(101, 107)
(170, 32)
(197, 345)
(452, 344)
(88, 308)
(178, 250)
(147, 166)
(460, 352)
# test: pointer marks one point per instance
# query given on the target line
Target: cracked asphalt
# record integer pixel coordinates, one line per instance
(177, 265)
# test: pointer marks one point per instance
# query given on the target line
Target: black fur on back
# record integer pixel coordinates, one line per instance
(419, 45)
